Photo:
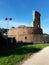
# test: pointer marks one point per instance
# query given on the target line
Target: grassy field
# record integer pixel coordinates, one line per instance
(11, 54)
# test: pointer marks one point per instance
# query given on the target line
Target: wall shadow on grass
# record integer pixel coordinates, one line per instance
(17, 49)
(11, 47)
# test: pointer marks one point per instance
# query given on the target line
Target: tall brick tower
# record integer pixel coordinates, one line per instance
(36, 23)
(36, 19)
(36, 28)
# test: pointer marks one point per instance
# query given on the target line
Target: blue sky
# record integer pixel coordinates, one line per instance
(21, 12)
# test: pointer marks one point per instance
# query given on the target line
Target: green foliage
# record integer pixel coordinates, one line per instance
(2, 31)
(13, 53)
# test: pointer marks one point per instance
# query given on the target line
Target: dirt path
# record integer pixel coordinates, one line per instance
(40, 58)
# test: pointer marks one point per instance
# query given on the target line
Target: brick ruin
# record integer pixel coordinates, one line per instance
(31, 34)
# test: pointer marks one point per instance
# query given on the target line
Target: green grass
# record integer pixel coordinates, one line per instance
(11, 54)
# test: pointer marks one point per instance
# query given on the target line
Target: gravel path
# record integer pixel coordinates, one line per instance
(40, 58)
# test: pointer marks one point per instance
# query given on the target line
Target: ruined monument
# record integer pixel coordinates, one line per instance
(31, 34)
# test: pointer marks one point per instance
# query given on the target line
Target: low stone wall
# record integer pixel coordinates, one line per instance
(46, 39)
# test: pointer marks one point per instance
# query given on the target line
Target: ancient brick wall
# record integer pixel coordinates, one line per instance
(25, 34)
(28, 34)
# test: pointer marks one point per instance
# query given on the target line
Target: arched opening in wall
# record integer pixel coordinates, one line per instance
(25, 37)
(38, 26)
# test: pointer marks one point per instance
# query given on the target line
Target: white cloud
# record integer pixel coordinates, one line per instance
(9, 24)
(45, 25)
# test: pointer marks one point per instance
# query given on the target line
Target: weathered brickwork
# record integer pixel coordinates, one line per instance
(32, 34)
